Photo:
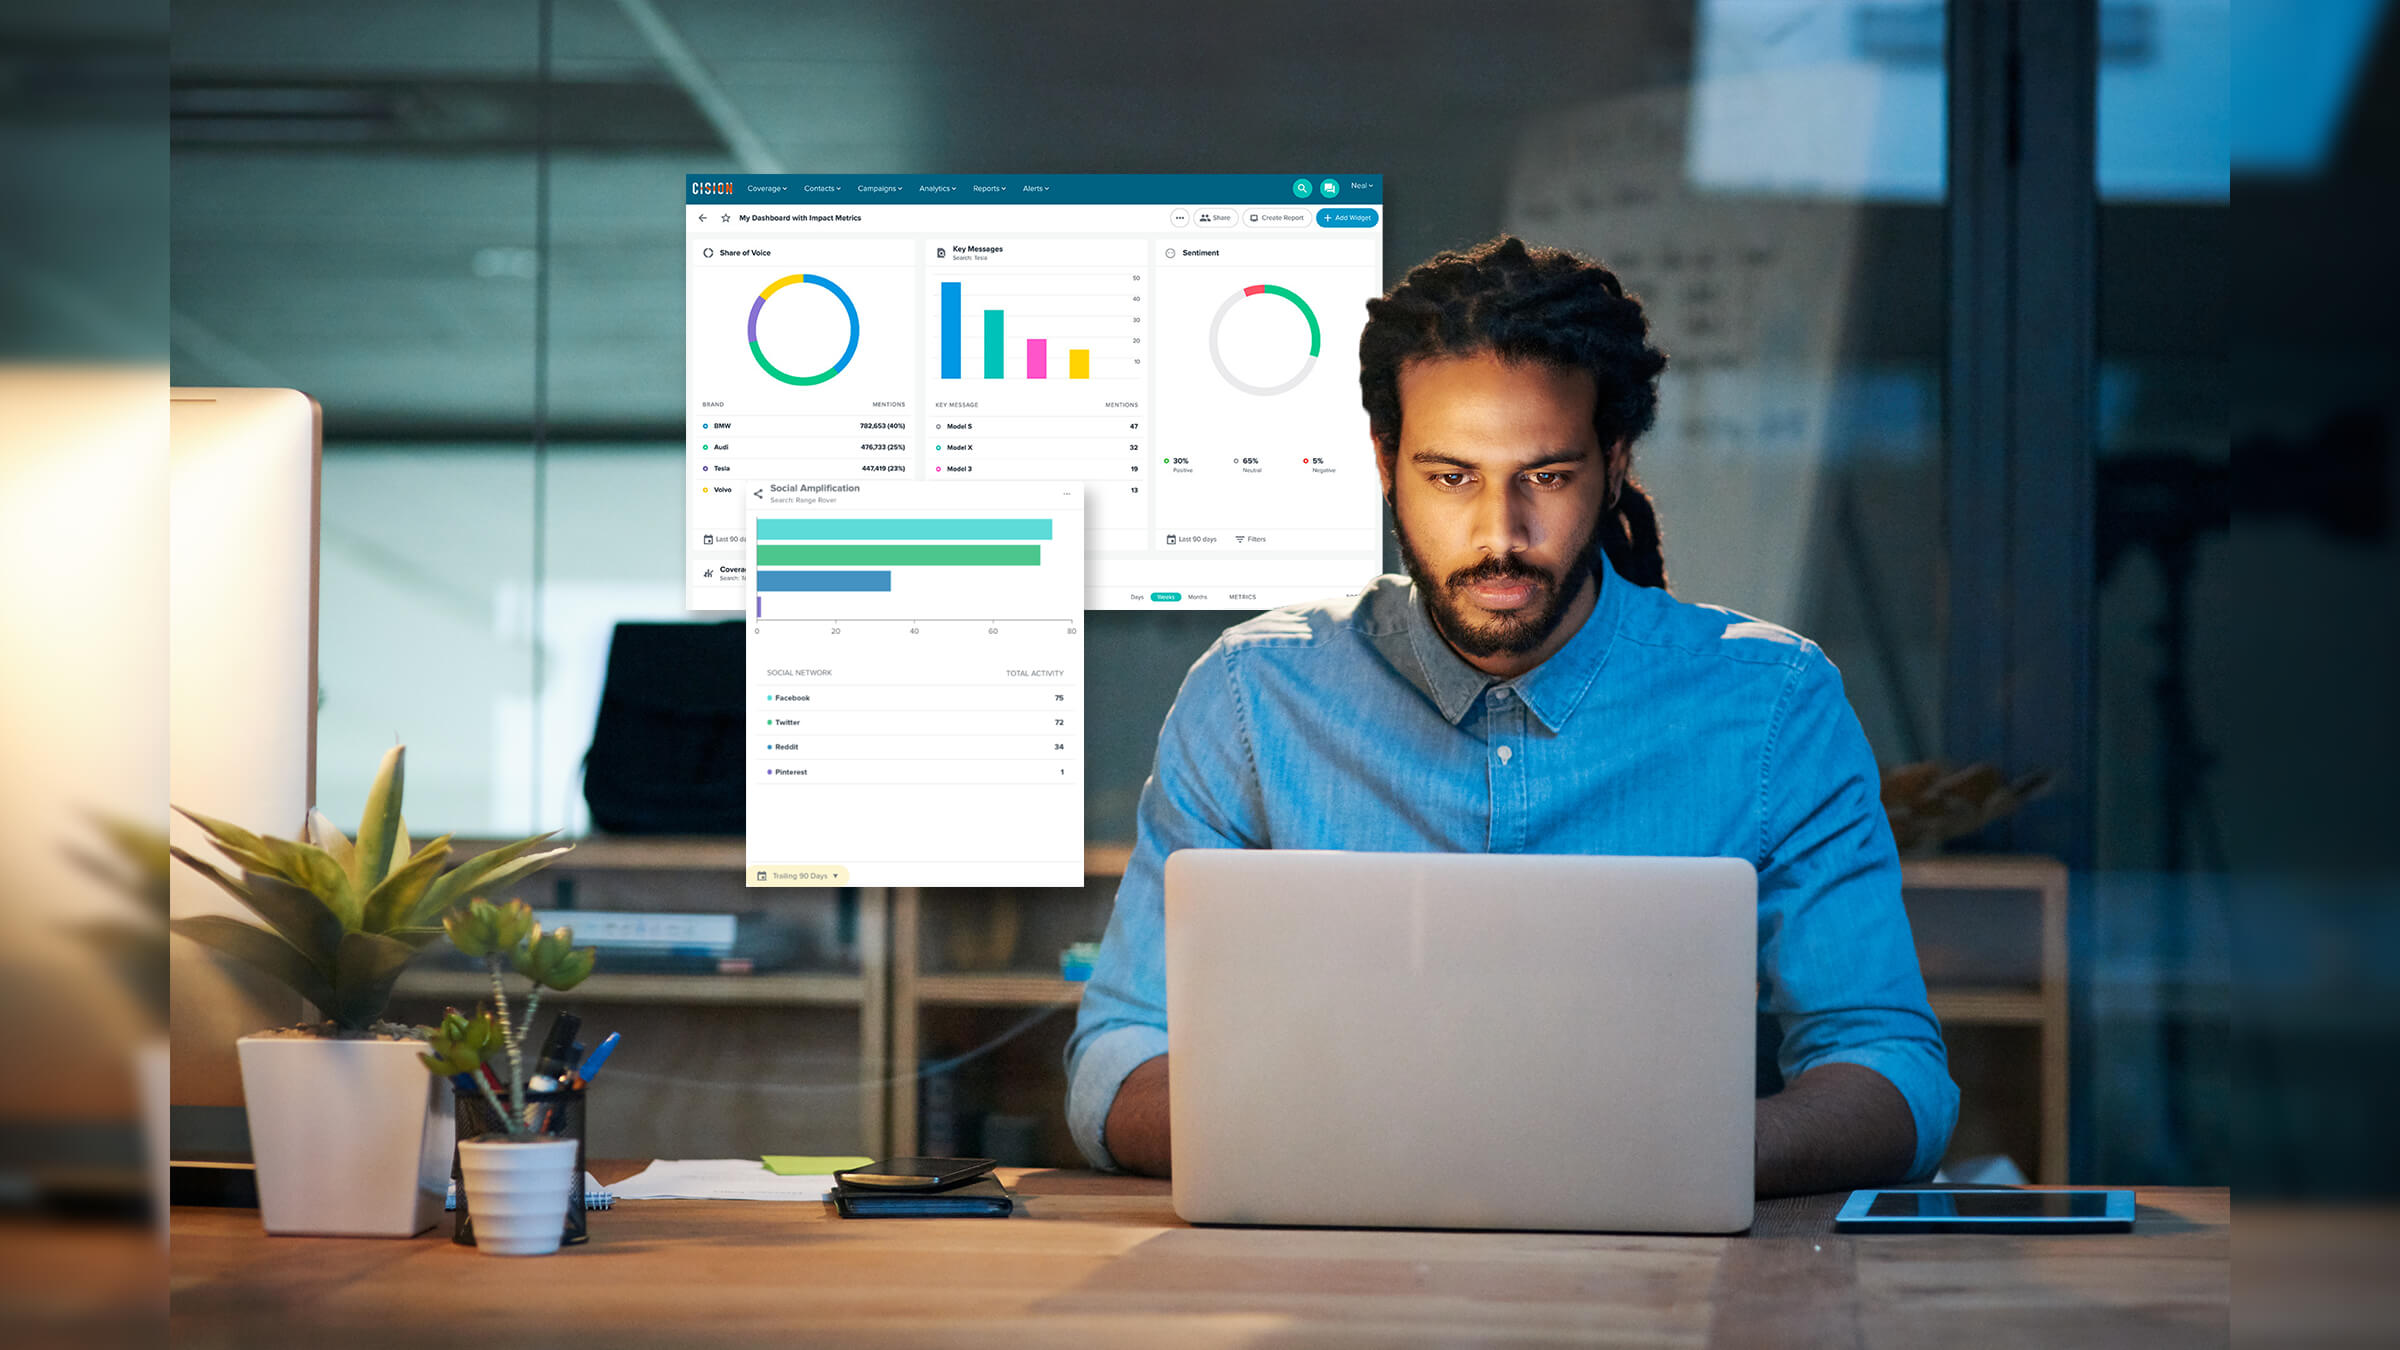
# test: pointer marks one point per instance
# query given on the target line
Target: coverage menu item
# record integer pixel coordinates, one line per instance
(914, 672)
(1184, 346)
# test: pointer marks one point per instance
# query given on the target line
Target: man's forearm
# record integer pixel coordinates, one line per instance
(1835, 1127)
(1136, 1131)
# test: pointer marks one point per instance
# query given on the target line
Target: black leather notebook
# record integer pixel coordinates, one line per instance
(982, 1198)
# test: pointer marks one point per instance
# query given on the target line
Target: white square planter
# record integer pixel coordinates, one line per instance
(352, 1138)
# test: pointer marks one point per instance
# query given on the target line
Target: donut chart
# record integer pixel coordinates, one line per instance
(1217, 326)
(759, 354)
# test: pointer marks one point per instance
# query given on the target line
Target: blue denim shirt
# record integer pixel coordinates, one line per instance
(1661, 728)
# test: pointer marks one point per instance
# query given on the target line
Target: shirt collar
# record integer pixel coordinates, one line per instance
(1553, 689)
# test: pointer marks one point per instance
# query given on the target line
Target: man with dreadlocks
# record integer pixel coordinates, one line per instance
(1531, 687)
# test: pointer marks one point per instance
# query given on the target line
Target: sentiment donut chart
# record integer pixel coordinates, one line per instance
(1216, 330)
(803, 278)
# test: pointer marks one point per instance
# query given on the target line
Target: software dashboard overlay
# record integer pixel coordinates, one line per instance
(1185, 347)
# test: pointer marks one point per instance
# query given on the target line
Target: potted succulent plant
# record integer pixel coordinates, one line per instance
(518, 1178)
(348, 1136)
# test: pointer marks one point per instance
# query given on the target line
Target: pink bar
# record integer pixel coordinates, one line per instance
(1037, 358)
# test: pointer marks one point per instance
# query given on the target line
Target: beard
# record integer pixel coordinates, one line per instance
(1478, 632)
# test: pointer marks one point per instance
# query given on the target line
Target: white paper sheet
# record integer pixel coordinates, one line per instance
(718, 1179)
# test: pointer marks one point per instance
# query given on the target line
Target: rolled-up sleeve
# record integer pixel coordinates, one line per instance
(1837, 965)
(1202, 793)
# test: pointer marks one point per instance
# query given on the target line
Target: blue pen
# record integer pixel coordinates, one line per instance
(598, 1057)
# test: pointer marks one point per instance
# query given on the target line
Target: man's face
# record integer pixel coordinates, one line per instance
(1497, 486)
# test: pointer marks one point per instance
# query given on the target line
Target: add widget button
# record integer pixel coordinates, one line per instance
(1345, 217)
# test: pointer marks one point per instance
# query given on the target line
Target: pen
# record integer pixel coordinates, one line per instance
(598, 1057)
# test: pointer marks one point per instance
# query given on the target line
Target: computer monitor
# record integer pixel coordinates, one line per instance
(242, 700)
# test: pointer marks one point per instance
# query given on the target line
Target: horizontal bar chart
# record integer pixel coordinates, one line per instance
(825, 581)
(835, 527)
(899, 555)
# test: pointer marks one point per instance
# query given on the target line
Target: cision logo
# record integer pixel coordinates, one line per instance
(700, 189)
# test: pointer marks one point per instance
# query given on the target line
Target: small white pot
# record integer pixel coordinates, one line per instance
(517, 1193)
(352, 1138)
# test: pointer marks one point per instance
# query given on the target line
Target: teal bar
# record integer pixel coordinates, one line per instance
(995, 349)
(774, 530)
(899, 555)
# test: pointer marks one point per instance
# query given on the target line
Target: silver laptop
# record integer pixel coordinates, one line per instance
(1444, 1040)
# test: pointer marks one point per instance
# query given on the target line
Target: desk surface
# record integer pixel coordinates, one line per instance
(1093, 1260)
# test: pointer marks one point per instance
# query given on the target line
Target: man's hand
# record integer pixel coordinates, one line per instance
(1136, 1131)
(1835, 1128)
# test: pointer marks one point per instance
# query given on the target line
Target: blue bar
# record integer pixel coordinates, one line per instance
(799, 192)
(772, 580)
(773, 530)
(950, 323)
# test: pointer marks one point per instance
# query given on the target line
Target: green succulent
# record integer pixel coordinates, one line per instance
(343, 918)
(484, 929)
(462, 1045)
(552, 960)
(504, 937)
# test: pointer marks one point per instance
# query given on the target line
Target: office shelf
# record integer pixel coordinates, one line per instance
(673, 1097)
(805, 990)
(1991, 935)
(1106, 861)
(716, 853)
(1987, 1007)
(999, 990)
(632, 853)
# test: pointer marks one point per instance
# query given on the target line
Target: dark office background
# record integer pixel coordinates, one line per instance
(1972, 421)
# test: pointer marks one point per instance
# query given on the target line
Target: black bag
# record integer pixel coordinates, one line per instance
(666, 754)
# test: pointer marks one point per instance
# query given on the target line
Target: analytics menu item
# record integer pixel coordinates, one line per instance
(915, 683)
(1184, 347)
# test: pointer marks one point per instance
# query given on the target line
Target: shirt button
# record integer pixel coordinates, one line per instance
(1500, 695)
(1505, 753)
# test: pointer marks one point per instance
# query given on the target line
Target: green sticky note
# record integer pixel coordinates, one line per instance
(809, 1164)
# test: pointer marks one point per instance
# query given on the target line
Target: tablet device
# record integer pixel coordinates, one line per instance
(916, 1174)
(1969, 1210)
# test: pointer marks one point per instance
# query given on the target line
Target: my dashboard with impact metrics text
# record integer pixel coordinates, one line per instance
(1184, 347)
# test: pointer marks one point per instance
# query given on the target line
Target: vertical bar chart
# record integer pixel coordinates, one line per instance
(950, 324)
(1043, 326)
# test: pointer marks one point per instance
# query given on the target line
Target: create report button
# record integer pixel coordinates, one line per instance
(799, 874)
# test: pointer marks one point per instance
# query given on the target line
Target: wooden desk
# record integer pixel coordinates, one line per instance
(1095, 1261)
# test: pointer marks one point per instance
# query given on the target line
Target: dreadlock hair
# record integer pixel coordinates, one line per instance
(1528, 304)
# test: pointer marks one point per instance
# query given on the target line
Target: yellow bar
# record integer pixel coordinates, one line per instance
(1079, 363)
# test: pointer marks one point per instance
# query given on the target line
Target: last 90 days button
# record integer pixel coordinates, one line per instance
(799, 874)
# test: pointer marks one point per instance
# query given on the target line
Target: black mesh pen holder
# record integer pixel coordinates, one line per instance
(558, 1114)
